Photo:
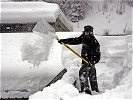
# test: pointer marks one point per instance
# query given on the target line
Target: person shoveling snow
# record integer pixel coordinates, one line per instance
(91, 54)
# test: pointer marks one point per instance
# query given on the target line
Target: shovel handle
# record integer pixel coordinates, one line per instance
(75, 53)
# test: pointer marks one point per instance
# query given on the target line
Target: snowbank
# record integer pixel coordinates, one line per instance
(59, 90)
(20, 78)
(114, 70)
(114, 76)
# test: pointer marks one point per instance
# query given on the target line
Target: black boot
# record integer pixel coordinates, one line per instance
(87, 91)
(94, 86)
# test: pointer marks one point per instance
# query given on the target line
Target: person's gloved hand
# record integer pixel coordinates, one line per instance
(60, 41)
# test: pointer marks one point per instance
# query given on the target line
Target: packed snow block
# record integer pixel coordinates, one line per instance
(35, 47)
(23, 16)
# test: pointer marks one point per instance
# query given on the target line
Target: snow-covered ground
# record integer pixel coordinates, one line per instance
(114, 71)
(20, 78)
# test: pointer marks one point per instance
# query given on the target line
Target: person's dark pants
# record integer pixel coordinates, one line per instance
(86, 71)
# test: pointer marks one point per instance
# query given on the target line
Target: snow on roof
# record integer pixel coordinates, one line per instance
(32, 12)
(24, 12)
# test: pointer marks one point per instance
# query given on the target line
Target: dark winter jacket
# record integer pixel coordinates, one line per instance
(90, 47)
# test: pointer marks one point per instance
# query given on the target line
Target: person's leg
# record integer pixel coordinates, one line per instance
(93, 79)
(83, 76)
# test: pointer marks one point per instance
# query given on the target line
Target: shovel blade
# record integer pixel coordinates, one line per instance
(36, 46)
(43, 27)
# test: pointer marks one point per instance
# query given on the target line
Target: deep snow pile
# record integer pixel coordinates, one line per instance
(36, 47)
(113, 71)
(19, 78)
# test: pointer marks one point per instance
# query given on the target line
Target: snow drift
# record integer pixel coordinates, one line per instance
(113, 72)
(20, 78)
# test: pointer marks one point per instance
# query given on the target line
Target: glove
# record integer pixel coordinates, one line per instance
(60, 41)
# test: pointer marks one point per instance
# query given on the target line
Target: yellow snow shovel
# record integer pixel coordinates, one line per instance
(74, 52)
(45, 28)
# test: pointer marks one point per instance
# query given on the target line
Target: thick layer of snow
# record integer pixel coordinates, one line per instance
(114, 72)
(26, 12)
(19, 78)
(35, 47)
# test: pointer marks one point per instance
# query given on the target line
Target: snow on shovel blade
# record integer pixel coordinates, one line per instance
(36, 46)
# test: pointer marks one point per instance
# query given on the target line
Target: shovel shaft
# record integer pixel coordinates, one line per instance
(75, 53)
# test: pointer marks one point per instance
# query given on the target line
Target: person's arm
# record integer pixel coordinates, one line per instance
(95, 59)
(72, 41)
(97, 54)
